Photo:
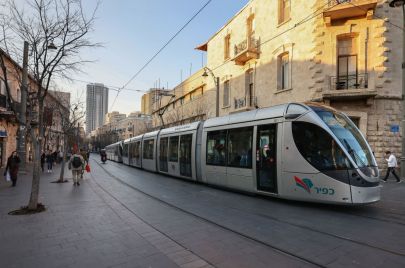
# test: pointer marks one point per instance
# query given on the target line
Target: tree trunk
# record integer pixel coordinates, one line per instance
(36, 144)
(36, 175)
(62, 170)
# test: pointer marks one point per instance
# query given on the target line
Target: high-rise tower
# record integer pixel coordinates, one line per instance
(96, 106)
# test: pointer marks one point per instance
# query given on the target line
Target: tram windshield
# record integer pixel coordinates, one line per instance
(349, 136)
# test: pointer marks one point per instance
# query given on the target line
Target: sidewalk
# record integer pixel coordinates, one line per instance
(80, 228)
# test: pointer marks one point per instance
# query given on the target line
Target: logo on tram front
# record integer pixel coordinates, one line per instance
(305, 183)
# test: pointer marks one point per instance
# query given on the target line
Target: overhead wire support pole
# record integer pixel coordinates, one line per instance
(216, 82)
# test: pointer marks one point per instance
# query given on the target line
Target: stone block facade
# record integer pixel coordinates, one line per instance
(346, 54)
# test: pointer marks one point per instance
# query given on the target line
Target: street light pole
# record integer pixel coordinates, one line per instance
(401, 3)
(23, 109)
(216, 81)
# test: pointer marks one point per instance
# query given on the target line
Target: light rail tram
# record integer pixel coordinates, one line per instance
(307, 152)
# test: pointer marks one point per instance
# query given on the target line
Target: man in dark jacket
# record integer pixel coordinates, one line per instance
(13, 163)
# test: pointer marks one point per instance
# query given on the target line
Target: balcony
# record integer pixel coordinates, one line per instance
(349, 87)
(246, 50)
(245, 103)
(345, 9)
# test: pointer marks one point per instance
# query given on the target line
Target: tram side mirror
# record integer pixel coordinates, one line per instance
(291, 116)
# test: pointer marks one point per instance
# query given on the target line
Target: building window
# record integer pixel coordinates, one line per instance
(227, 47)
(347, 63)
(251, 26)
(227, 88)
(249, 79)
(284, 7)
(284, 71)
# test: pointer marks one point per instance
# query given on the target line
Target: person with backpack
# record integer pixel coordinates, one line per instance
(76, 164)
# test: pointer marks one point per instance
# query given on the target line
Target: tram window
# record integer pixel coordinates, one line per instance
(125, 150)
(174, 149)
(296, 109)
(318, 147)
(216, 148)
(148, 149)
(240, 147)
(135, 149)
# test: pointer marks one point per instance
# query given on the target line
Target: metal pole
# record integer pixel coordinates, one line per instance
(403, 96)
(217, 97)
(23, 109)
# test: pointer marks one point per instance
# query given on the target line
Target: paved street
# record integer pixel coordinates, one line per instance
(125, 217)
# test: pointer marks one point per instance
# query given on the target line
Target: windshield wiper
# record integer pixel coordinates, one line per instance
(353, 153)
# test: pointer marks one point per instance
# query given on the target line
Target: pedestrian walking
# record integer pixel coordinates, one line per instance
(83, 153)
(49, 161)
(13, 163)
(392, 164)
(76, 164)
(43, 157)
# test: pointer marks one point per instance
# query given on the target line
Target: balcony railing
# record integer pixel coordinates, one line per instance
(246, 50)
(248, 101)
(355, 81)
(332, 3)
(344, 9)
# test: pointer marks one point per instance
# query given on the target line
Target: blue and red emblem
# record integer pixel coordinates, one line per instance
(305, 183)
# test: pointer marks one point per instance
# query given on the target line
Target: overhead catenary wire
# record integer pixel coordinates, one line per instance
(161, 49)
(311, 16)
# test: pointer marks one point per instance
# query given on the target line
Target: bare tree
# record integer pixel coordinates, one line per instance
(57, 31)
(71, 116)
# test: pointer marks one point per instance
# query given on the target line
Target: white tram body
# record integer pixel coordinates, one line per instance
(114, 151)
(177, 151)
(307, 152)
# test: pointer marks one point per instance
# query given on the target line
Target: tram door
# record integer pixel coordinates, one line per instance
(266, 149)
(185, 155)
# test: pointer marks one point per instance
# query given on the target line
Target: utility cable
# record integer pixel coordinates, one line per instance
(161, 49)
(306, 19)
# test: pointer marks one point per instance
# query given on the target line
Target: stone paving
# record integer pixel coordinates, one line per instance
(87, 226)
(332, 236)
(126, 217)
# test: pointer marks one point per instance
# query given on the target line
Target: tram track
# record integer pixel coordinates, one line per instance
(348, 239)
(138, 216)
(277, 249)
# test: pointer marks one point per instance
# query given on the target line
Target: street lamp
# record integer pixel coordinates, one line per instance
(216, 81)
(401, 3)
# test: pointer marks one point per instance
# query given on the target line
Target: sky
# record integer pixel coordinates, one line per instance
(132, 31)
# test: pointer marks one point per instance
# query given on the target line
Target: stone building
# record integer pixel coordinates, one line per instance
(346, 54)
(186, 103)
(57, 109)
(8, 120)
(114, 117)
(132, 125)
